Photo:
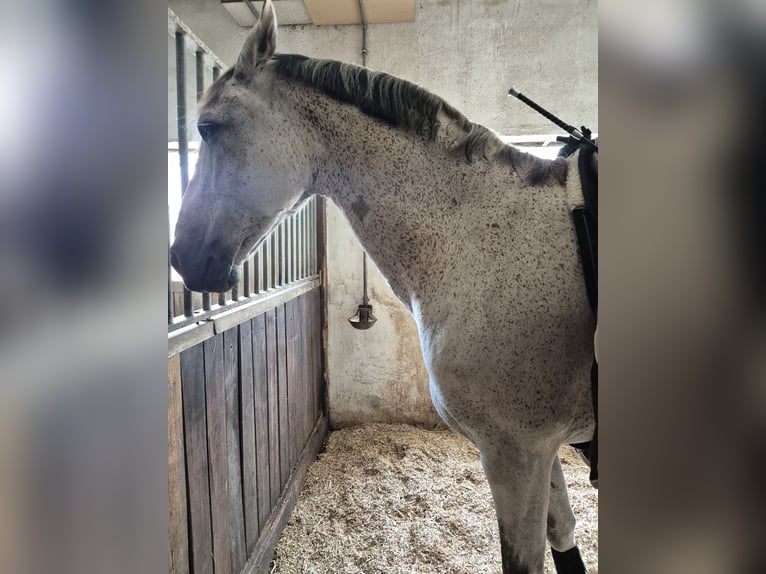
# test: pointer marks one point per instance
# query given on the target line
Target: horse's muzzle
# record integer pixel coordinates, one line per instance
(213, 274)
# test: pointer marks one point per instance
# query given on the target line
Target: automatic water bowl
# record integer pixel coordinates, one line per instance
(364, 319)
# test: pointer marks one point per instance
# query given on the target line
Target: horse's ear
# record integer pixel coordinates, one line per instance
(261, 42)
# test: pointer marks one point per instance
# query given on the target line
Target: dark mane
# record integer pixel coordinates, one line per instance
(405, 105)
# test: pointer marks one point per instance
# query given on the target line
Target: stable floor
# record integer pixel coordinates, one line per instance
(399, 499)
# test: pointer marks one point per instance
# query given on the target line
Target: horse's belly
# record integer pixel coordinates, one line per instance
(527, 384)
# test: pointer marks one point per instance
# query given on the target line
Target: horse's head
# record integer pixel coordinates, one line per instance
(252, 168)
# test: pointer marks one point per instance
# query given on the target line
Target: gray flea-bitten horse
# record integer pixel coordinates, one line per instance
(474, 237)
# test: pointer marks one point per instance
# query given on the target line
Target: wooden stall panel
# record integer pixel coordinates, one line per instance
(261, 394)
(178, 535)
(249, 471)
(284, 430)
(273, 405)
(293, 383)
(233, 460)
(218, 464)
(195, 426)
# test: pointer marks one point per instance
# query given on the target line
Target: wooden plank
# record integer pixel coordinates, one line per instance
(195, 427)
(316, 337)
(249, 471)
(236, 312)
(306, 339)
(318, 356)
(260, 560)
(233, 316)
(284, 427)
(188, 337)
(293, 384)
(178, 534)
(311, 337)
(234, 469)
(261, 394)
(217, 459)
(273, 393)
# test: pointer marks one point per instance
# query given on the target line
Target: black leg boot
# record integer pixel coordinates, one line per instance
(569, 562)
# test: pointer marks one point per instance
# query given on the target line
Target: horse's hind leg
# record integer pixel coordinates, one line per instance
(519, 481)
(561, 525)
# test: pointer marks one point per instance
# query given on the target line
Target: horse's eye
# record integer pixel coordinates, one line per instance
(207, 130)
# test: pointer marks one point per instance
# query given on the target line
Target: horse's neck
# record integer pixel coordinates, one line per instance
(399, 195)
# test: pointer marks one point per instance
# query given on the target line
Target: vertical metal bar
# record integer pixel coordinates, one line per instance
(288, 254)
(305, 242)
(297, 247)
(267, 263)
(310, 234)
(289, 249)
(183, 141)
(170, 287)
(200, 61)
(274, 260)
(282, 255)
(258, 269)
(279, 233)
(300, 244)
(235, 292)
(293, 251)
(246, 271)
(293, 258)
(200, 76)
(314, 235)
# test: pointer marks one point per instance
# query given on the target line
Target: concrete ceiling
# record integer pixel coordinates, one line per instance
(468, 52)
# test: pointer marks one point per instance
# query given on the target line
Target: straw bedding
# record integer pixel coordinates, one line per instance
(399, 499)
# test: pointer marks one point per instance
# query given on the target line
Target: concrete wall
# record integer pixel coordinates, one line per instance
(470, 53)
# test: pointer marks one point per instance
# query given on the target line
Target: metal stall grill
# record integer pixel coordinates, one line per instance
(246, 407)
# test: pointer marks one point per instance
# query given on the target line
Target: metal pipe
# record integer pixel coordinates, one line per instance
(200, 61)
(363, 20)
(253, 11)
(170, 282)
(365, 299)
(183, 140)
(200, 76)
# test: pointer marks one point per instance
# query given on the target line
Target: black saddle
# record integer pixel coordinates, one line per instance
(586, 226)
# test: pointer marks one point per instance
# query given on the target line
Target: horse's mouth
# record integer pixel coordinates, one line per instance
(208, 284)
(215, 276)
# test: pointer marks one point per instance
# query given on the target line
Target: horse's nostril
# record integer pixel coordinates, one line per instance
(174, 261)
